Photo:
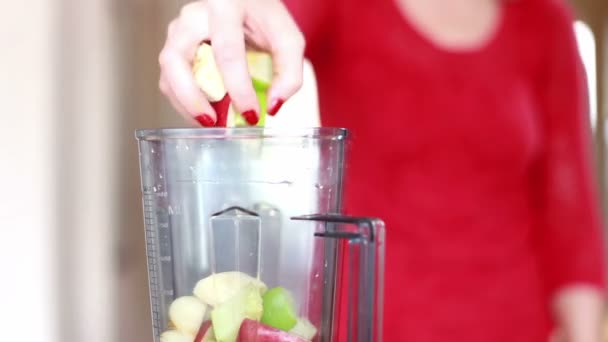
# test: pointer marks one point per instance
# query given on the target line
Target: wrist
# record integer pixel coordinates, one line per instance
(579, 311)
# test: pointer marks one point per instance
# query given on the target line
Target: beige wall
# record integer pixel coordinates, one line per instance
(88, 179)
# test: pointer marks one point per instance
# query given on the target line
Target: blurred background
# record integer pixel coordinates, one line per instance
(77, 78)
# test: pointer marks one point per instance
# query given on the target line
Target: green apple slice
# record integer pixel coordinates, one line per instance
(228, 316)
(279, 309)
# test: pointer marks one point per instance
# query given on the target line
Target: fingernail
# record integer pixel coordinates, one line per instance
(275, 105)
(251, 117)
(205, 120)
(221, 109)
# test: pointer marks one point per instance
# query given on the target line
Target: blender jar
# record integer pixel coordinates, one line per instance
(245, 240)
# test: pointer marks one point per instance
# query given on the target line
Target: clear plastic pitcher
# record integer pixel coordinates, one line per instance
(246, 241)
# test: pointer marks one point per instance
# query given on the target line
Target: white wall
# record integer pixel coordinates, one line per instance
(27, 212)
(57, 171)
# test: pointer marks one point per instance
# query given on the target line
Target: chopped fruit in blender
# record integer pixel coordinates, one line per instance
(175, 336)
(205, 333)
(304, 329)
(187, 314)
(252, 331)
(207, 75)
(220, 287)
(228, 316)
(279, 309)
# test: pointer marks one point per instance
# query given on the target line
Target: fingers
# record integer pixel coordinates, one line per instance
(222, 23)
(168, 92)
(183, 90)
(288, 60)
(228, 42)
(177, 82)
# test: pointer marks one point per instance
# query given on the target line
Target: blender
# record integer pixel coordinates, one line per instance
(247, 240)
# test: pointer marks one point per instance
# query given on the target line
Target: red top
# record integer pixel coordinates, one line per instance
(478, 161)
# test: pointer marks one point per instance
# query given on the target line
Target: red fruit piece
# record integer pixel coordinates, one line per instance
(221, 109)
(254, 331)
(202, 332)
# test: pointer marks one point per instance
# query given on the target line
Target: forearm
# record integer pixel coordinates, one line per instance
(579, 311)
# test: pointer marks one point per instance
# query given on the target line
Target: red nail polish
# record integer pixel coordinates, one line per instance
(275, 106)
(205, 120)
(251, 117)
(221, 109)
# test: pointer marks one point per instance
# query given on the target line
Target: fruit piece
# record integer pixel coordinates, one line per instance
(207, 75)
(258, 332)
(279, 309)
(187, 314)
(259, 65)
(304, 329)
(210, 81)
(205, 333)
(175, 336)
(228, 316)
(219, 287)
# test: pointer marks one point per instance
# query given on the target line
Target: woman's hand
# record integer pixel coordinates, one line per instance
(232, 26)
(579, 310)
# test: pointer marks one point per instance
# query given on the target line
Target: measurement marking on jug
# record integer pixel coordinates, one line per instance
(157, 215)
(175, 210)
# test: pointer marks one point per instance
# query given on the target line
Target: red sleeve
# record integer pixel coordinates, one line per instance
(314, 18)
(572, 237)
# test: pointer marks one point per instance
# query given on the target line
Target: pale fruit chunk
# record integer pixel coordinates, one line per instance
(260, 66)
(279, 309)
(207, 75)
(228, 316)
(187, 314)
(304, 329)
(220, 287)
(176, 336)
(252, 331)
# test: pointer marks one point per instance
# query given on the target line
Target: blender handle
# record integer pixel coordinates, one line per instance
(366, 273)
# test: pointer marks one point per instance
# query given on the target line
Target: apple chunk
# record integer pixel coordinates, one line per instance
(253, 331)
(304, 329)
(207, 74)
(175, 336)
(187, 313)
(228, 316)
(279, 309)
(220, 287)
